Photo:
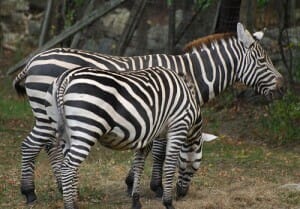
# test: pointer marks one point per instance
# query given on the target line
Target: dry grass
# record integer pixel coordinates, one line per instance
(229, 178)
(236, 172)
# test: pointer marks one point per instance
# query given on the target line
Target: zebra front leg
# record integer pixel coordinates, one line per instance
(188, 163)
(158, 155)
(138, 167)
(130, 176)
(68, 176)
(55, 156)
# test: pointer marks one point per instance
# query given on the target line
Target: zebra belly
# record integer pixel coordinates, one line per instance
(116, 139)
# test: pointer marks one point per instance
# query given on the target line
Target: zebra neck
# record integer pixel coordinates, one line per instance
(212, 68)
(211, 71)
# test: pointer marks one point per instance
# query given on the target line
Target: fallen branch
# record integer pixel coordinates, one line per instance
(8, 47)
(45, 25)
(69, 31)
(133, 21)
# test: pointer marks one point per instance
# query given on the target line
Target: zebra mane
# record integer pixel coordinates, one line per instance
(206, 41)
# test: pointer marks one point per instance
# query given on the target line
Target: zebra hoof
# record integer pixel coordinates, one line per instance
(181, 192)
(71, 206)
(169, 207)
(168, 204)
(136, 204)
(129, 182)
(59, 187)
(30, 196)
(157, 188)
(129, 190)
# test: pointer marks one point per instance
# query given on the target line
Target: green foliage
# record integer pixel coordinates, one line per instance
(14, 109)
(203, 3)
(170, 2)
(71, 12)
(297, 68)
(19, 54)
(262, 3)
(11, 106)
(283, 120)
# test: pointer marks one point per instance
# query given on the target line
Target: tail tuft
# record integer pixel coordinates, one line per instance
(20, 89)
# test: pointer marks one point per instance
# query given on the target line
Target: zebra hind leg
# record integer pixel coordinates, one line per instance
(129, 181)
(138, 166)
(30, 149)
(68, 175)
(55, 156)
(130, 176)
(158, 154)
(136, 204)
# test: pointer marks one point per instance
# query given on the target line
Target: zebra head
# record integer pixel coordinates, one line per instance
(256, 68)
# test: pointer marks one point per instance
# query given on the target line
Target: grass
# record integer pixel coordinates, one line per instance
(234, 174)
(283, 119)
(242, 169)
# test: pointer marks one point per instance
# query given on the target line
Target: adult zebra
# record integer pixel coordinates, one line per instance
(125, 110)
(214, 63)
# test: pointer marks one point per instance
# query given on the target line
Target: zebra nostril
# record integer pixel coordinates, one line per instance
(282, 90)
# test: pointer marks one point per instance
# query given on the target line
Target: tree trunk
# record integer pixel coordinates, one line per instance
(228, 16)
(284, 40)
(172, 30)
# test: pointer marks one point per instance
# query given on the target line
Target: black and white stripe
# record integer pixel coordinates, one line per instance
(212, 67)
(125, 110)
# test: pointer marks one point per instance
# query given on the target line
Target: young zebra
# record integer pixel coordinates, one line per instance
(214, 63)
(125, 110)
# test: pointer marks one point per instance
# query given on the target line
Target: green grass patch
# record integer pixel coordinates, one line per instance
(290, 197)
(236, 172)
(282, 120)
(14, 109)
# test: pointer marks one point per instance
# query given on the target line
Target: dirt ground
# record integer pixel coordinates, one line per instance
(239, 170)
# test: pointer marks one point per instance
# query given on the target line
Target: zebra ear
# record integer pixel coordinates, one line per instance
(244, 36)
(258, 35)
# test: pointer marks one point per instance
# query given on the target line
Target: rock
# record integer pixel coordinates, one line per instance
(18, 22)
(106, 45)
(157, 38)
(90, 44)
(103, 45)
(11, 38)
(8, 6)
(34, 27)
(116, 21)
(291, 187)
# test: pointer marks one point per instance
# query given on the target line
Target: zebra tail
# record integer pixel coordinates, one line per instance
(59, 91)
(20, 89)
